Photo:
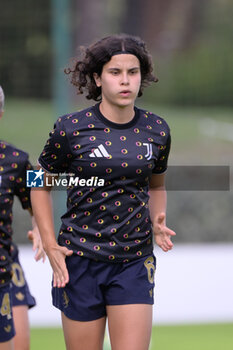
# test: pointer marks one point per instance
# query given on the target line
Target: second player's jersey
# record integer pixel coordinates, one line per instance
(13, 166)
(107, 214)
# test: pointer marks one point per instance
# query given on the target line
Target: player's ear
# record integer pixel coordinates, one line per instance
(97, 79)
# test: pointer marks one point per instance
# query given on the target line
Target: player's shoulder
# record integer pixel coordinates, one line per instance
(76, 117)
(151, 117)
(12, 151)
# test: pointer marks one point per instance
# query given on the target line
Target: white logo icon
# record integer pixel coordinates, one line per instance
(149, 150)
(99, 152)
(35, 178)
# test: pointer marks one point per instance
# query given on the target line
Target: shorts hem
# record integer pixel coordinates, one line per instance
(80, 319)
(146, 302)
(29, 305)
(7, 338)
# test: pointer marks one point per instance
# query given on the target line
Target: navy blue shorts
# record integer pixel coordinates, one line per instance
(20, 291)
(94, 284)
(7, 330)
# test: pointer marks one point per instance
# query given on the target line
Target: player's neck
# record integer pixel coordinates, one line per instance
(117, 114)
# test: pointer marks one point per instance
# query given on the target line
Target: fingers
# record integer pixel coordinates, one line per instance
(57, 261)
(40, 254)
(33, 239)
(165, 244)
(60, 279)
(37, 246)
(68, 252)
(60, 276)
(165, 249)
(170, 232)
(30, 235)
(163, 238)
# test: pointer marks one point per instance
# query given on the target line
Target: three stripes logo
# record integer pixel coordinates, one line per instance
(99, 152)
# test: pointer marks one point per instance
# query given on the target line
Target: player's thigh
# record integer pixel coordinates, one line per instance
(81, 335)
(130, 326)
(22, 329)
(8, 345)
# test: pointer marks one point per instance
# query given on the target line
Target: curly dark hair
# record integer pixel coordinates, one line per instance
(99, 53)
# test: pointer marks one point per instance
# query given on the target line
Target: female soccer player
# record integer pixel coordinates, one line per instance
(15, 297)
(103, 264)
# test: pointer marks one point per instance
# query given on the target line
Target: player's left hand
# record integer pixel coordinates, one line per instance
(162, 233)
(34, 237)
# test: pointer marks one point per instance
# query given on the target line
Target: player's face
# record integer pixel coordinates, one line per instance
(120, 80)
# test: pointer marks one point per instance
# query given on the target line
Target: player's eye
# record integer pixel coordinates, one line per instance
(114, 72)
(134, 71)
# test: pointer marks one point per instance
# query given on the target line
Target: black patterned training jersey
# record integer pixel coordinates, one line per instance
(110, 221)
(13, 166)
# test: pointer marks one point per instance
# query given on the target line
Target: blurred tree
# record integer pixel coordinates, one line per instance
(191, 41)
(89, 19)
(25, 49)
(164, 25)
(131, 21)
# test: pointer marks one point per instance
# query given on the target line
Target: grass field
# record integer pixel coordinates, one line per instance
(190, 337)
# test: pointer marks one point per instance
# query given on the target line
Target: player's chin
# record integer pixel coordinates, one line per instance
(125, 102)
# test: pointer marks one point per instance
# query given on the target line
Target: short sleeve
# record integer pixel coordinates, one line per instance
(161, 163)
(56, 155)
(21, 190)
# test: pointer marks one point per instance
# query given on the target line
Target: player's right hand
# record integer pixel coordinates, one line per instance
(57, 255)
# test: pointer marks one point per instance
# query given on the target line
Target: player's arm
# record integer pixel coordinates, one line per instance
(23, 194)
(34, 237)
(43, 212)
(157, 206)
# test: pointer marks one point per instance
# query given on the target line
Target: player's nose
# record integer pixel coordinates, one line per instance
(124, 78)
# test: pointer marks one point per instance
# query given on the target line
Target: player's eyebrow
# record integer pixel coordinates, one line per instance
(119, 69)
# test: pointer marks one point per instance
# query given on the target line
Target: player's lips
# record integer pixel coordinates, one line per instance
(125, 92)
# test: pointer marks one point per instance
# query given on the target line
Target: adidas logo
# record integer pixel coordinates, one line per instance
(99, 152)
